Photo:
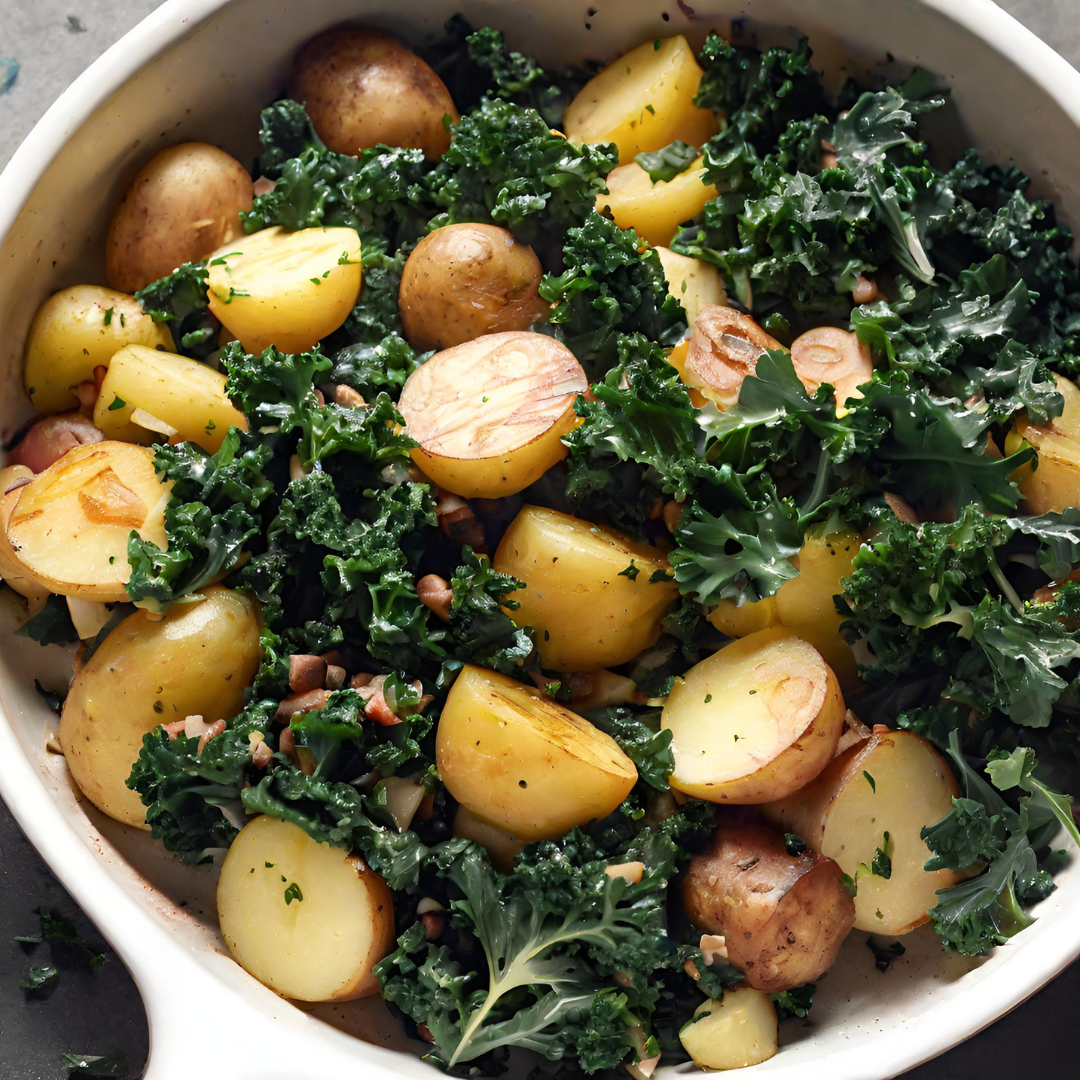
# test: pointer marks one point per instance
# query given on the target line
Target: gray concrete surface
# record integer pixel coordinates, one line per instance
(54, 40)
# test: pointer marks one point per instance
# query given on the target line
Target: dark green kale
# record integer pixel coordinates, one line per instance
(40, 982)
(639, 734)
(665, 164)
(111, 1063)
(181, 301)
(285, 132)
(63, 936)
(884, 955)
(797, 1002)
(52, 625)
(505, 166)
(613, 285)
(210, 521)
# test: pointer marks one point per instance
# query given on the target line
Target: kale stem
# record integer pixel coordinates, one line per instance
(1003, 583)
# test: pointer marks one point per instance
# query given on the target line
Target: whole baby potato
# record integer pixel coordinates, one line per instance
(362, 88)
(184, 203)
(77, 330)
(783, 917)
(198, 659)
(465, 280)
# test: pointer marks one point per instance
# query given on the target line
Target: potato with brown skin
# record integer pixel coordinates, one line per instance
(783, 917)
(462, 281)
(362, 88)
(184, 204)
(880, 793)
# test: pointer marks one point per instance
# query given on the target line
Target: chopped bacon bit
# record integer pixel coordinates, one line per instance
(347, 397)
(320, 398)
(287, 745)
(295, 704)
(901, 508)
(375, 708)
(306, 672)
(656, 511)
(672, 512)
(263, 186)
(262, 755)
(174, 729)
(358, 682)
(865, 290)
(691, 969)
(425, 1033)
(87, 393)
(212, 732)
(463, 527)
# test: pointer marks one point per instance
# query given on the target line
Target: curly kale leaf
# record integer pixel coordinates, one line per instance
(181, 301)
(642, 740)
(285, 132)
(210, 520)
(610, 286)
(665, 164)
(52, 625)
(192, 798)
(505, 166)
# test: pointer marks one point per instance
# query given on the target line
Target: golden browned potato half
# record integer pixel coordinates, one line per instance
(655, 211)
(68, 528)
(184, 203)
(587, 611)
(196, 661)
(490, 414)
(724, 348)
(524, 763)
(502, 848)
(462, 281)
(828, 355)
(306, 919)
(1054, 484)
(783, 917)
(147, 394)
(878, 794)
(288, 289)
(642, 101)
(755, 721)
(804, 604)
(362, 88)
(77, 330)
(738, 1031)
(695, 284)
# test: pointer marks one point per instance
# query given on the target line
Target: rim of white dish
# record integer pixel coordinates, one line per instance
(141, 941)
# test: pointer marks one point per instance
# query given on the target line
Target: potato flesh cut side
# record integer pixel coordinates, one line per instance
(306, 919)
(490, 414)
(733, 1033)
(725, 346)
(655, 211)
(695, 284)
(187, 397)
(69, 528)
(912, 787)
(761, 716)
(523, 763)
(285, 289)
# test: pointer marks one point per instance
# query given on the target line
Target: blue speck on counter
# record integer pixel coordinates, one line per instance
(9, 71)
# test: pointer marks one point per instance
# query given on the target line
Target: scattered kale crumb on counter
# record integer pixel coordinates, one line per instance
(573, 546)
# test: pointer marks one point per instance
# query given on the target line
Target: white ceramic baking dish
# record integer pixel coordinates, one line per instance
(202, 69)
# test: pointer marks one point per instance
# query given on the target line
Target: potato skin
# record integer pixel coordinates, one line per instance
(184, 203)
(198, 659)
(362, 88)
(465, 280)
(783, 917)
(1054, 485)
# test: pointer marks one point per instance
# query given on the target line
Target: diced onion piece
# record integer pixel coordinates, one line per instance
(88, 616)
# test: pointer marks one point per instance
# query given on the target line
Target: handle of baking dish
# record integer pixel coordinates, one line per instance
(201, 1028)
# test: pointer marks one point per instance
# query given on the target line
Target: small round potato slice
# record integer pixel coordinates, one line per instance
(70, 525)
(289, 289)
(522, 762)
(490, 414)
(306, 919)
(1055, 484)
(761, 716)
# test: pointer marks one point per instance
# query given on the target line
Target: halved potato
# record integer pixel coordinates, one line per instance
(490, 414)
(69, 526)
(739, 1030)
(306, 919)
(1053, 484)
(522, 762)
(197, 660)
(77, 330)
(502, 848)
(804, 604)
(783, 917)
(829, 355)
(588, 593)
(186, 397)
(289, 289)
(655, 211)
(11, 570)
(642, 101)
(755, 721)
(694, 283)
(724, 348)
(892, 785)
